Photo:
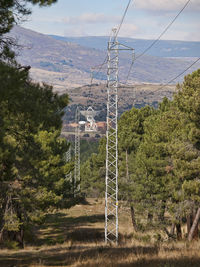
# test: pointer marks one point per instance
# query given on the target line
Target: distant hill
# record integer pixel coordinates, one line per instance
(95, 95)
(68, 65)
(163, 48)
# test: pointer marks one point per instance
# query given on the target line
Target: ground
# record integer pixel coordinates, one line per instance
(75, 237)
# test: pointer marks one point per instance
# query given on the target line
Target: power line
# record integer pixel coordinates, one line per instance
(117, 32)
(155, 41)
(99, 69)
(129, 71)
(169, 25)
(172, 80)
(122, 21)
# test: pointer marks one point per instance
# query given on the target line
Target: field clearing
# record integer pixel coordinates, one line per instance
(75, 237)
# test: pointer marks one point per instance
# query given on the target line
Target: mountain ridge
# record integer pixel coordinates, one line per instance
(67, 65)
(163, 48)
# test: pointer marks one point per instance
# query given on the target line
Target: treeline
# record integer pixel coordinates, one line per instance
(32, 163)
(159, 163)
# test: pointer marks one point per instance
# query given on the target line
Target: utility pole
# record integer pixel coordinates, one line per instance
(77, 153)
(111, 194)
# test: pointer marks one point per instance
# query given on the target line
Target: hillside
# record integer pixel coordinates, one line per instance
(67, 65)
(163, 48)
(95, 95)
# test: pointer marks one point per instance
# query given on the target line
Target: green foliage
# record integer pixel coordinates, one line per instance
(11, 245)
(87, 148)
(166, 173)
(11, 222)
(32, 165)
(42, 2)
(159, 159)
(13, 12)
(93, 172)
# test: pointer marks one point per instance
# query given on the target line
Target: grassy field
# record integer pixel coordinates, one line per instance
(75, 237)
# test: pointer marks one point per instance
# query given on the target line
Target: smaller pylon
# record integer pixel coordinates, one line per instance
(68, 158)
(77, 153)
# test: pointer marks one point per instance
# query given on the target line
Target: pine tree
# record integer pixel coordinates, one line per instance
(32, 166)
(186, 152)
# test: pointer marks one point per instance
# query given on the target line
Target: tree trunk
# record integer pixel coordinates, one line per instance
(133, 219)
(172, 229)
(131, 207)
(19, 236)
(194, 225)
(171, 233)
(189, 222)
(161, 215)
(150, 217)
(178, 231)
(196, 231)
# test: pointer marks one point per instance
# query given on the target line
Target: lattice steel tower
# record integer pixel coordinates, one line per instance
(68, 158)
(77, 153)
(111, 194)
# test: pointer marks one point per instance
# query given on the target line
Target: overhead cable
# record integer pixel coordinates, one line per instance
(99, 69)
(172, 80)
(169, 25)
(122, 21)
(117, 32)
(156, 40)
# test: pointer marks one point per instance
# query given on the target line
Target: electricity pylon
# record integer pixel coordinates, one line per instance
(68, 158)
(77, 153)
(111, 194)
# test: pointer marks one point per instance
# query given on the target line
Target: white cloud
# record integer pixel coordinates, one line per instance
(166, 5)
(91, 18)
(193, 36)
(75, 31)
(128, 30)
(176, 35)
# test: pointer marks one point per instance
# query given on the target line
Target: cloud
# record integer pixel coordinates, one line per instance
(193, 36)
(128, 30)
(166, 5)
(75, 31)
(91, 18)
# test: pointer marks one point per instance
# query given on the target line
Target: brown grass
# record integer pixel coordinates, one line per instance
(75, 238)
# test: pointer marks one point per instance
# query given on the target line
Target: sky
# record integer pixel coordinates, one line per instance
(145, 19)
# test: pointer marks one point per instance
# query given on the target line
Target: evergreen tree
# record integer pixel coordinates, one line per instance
(32, 166)
(131, 130)
(186, 152)
(159, 162)
(93, 172)
(12, 12)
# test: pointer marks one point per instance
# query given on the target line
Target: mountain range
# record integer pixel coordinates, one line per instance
(162, 48)
(66, 63)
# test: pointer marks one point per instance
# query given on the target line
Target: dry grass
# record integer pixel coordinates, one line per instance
(75, 238)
